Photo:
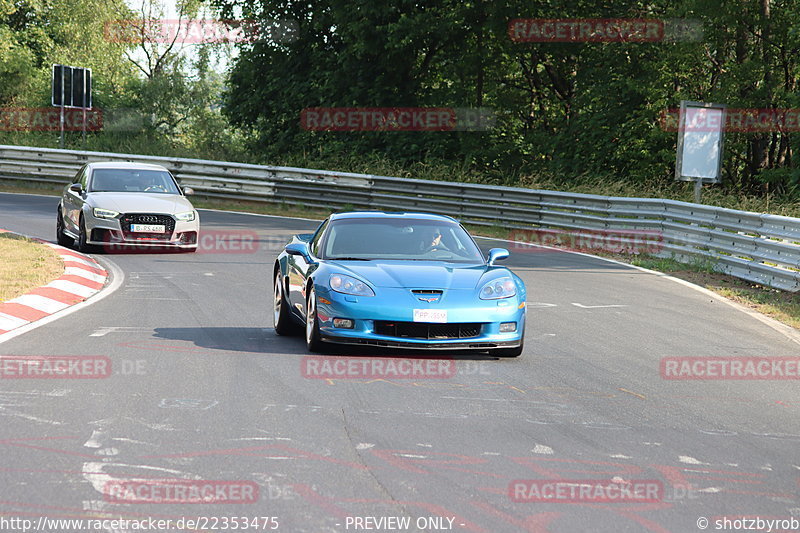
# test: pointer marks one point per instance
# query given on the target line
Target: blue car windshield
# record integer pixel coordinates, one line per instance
(401, 239)
(132, 180)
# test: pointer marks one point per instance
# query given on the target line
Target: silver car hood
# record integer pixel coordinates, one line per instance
(140, 202)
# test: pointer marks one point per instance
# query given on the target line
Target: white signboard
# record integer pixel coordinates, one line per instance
(700, 142)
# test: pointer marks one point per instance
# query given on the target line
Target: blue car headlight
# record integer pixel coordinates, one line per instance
(499, 288)
(350, 285)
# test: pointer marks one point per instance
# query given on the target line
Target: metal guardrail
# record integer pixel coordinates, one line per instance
(761, 248)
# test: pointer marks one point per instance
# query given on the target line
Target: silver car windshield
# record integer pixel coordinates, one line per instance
(132, 180)
(402, 239)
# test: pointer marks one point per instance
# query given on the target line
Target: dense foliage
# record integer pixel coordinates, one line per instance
(156, 95)
(565, 112)
(568, 109)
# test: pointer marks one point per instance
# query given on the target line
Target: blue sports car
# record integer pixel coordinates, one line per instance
(409, 280)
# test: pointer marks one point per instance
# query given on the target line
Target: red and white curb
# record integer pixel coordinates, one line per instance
(83, 277)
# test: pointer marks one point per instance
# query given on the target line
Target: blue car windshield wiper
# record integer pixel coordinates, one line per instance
(347, 259)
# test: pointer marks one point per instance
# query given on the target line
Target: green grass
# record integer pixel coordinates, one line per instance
(26, 265)
(780, 305)
(667, 264)
(30, 188)
(128, 143)
(285, 210)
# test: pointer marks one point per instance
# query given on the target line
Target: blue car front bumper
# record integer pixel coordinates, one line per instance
(392, 311)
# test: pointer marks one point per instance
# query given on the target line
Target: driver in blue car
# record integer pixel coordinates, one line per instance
(432, 240)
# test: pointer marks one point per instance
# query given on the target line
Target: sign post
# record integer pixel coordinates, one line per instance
(701, 128)
(72, 88)
(59, 75)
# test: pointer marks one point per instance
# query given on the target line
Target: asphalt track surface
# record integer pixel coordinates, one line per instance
(203, 389)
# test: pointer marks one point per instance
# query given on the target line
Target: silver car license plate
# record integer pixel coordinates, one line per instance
(147, 228)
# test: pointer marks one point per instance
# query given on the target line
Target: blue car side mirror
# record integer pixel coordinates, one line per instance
(497, 254)
(298, 248)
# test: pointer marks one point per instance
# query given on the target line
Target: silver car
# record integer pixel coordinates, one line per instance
(121, 205)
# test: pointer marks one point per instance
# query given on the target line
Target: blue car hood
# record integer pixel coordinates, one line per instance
(416, 274)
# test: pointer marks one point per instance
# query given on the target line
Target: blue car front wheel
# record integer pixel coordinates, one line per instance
(280, 307)
(313, 341)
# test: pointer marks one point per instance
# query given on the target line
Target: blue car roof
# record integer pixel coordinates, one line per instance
(392, 214)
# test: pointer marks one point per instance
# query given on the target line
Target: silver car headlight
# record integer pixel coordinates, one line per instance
(350, 285)
(185, 217)
(499, 288)
(104, 213)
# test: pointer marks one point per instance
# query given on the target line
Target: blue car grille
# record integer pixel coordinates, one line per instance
(425, 330)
